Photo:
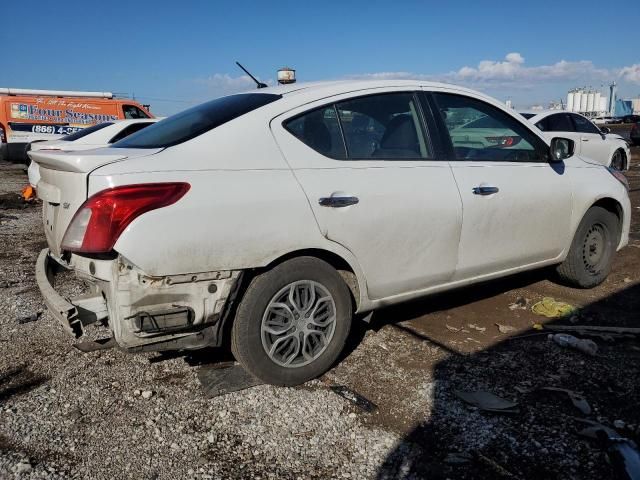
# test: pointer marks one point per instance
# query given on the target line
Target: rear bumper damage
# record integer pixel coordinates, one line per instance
(145, 313)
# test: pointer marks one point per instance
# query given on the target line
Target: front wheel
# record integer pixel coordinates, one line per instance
(591, 253)
(292, 322)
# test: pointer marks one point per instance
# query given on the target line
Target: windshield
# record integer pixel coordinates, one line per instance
(528, 115)
(195, 121)
(85, 131)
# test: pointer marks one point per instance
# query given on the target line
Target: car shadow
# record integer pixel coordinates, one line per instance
(539, 441)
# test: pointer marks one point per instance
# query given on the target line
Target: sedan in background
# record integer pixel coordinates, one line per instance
(96, 136)
(278, 217)
(631, 119)
(599, 144)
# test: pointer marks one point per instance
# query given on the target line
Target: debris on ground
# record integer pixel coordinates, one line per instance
(551, 308)
(28, 193)
(589, 328)
(578, 400)
(30, 318)
(520, 304)
(487, 401)
(220, 381)
(477, 328)
(458, 458)
(505, 328)
(354, 397)
(622, 451)
(87, 346)
(565, 340)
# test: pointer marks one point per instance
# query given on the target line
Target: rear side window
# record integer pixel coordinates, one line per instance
(559, 122)
(379, 127)
(195, 121)
(132, 112)
(583, 125)
(374, 127)
(85, 131)
(133, 128)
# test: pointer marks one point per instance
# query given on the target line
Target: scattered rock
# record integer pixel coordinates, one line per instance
(147, 394)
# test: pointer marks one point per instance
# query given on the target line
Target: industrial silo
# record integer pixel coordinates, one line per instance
(583, 101)
(590, 97)
(577, 98)
(596, 103)
(603, 104)
(570, 97)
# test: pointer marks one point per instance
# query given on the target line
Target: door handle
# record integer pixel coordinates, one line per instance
(584, 139)
(485, 190)
(337, 202)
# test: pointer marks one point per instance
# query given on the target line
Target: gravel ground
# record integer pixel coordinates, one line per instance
(108, 414)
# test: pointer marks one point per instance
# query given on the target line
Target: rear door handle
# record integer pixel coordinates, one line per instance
(584, 139)
(338, 202)
(485, 190)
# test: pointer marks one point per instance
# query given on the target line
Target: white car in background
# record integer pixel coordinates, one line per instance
(96, 136)
(276, 216)
(599, 144)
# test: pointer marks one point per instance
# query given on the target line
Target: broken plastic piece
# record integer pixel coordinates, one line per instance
(354, 397)
(551, 308)
(93, 346)
(505, 328)
(487, 401)
(28, 193)
(578, 400)
(220, 381)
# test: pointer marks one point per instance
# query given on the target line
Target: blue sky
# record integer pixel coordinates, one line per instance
(173, 54)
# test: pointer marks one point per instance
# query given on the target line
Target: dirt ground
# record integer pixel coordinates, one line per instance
(409, 361)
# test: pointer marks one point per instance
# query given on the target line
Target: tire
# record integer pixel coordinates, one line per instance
(591, 253)
(618, 160)
(262, 307)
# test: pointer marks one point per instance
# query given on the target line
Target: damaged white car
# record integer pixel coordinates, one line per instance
(279, 215)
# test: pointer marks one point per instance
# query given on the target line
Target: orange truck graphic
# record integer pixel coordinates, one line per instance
(32, 115)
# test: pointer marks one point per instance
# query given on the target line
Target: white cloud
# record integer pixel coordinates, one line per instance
(631, 73)
(225, 84)
(513, 72)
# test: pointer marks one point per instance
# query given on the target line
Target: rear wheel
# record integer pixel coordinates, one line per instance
(591, 254)
(292, 322)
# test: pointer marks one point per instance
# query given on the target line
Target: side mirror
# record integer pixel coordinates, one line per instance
(605, 130)
(561, 148)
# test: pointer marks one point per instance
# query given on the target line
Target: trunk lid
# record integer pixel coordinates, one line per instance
(63, 184)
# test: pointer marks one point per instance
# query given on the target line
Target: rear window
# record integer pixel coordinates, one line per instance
(85, 131)
(195, 121)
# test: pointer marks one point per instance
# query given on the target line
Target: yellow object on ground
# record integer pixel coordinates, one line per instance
(549, 307)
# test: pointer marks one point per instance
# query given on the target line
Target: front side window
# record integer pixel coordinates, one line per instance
(379, 127)
(583, 125)
(559, 122)
(480, 131)
(132, 112)
(195, 121)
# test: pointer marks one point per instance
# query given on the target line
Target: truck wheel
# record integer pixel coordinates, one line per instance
(591, 253)
(292, 322)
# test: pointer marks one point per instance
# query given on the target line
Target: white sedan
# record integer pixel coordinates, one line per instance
(596, 143)
(95, 136)
(278, 215)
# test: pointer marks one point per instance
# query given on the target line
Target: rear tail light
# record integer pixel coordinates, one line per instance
(101, 219)
(504, 141)
(3, 134)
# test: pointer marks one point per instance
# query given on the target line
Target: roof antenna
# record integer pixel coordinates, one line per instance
(258, 83)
